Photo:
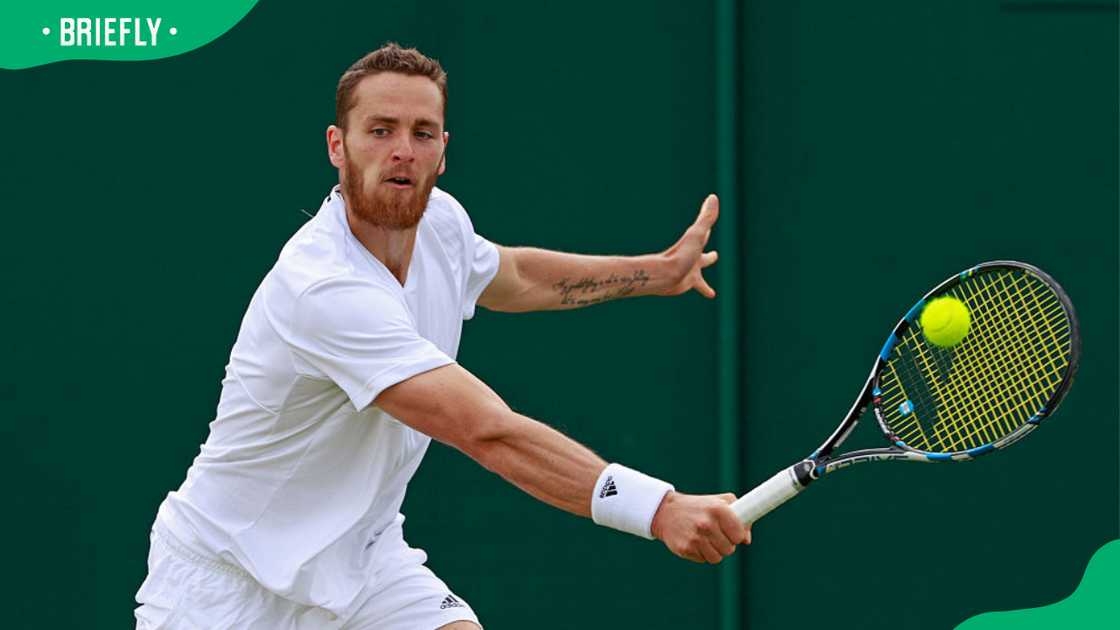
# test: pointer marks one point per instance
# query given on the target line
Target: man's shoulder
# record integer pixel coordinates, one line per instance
(448, 207)
(326, 296)
(319, 260)
(310, 257)
(448, 217)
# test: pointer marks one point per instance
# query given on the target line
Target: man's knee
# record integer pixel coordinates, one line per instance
(460, 625)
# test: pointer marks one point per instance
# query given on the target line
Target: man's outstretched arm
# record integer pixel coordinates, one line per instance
(530, 279)
(452, 406)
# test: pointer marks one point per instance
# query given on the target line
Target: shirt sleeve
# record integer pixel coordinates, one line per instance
(361, 336)
(482, 266)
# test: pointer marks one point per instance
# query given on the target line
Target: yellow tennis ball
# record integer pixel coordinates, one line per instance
(945, 321)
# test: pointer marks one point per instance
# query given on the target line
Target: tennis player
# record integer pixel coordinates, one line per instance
(344, 371)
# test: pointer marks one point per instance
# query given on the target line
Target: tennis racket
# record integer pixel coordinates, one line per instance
(935, 404)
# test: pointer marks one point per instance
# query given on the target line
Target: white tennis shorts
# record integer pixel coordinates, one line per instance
(184, 591)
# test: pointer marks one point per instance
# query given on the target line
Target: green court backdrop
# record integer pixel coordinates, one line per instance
(866, 151)
(888, 145)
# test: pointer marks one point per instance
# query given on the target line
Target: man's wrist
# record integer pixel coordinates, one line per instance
(657, 267)
(656, 525)
(627, 500)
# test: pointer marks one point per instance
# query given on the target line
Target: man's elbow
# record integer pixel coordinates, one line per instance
(510, 291)
(512, 297)
(511, 304)
(485, 430)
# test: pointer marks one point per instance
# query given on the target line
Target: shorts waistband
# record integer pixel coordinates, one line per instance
(162, 535)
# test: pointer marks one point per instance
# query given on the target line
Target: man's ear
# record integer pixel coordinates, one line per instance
(443, 158)
(334, 146)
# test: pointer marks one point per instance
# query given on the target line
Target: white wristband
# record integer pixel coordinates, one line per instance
(627, 500)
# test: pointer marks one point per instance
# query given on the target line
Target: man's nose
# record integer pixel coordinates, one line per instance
(402, 150)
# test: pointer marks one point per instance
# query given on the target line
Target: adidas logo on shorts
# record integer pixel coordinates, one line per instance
(450, 602)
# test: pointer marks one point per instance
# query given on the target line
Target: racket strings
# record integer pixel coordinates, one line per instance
(996, 364)
(1007, 368)
(1001, 375)
(922, 402)
(1012, 375)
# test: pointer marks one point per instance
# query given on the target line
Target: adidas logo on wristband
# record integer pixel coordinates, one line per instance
(633, 511)
(609, 489)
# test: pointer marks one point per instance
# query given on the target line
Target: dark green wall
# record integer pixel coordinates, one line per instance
(144, 201)
(888, 145)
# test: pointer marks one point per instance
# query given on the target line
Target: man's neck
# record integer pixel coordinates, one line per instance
(392, 247)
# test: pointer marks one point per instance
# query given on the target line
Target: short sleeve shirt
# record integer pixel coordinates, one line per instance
(300, 471)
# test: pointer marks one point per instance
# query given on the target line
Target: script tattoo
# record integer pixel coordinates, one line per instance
(586, 291)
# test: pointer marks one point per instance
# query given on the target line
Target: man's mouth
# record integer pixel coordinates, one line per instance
(399, 182)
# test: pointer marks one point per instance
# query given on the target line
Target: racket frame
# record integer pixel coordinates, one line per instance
(787, 483)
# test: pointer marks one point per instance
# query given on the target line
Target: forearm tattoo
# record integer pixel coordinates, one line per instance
(588, 290)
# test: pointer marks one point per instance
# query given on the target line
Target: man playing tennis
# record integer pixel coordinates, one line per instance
(344, 370)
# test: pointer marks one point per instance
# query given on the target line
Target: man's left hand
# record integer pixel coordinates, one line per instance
(686, 258)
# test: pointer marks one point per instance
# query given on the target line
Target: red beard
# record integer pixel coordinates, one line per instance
(385, 207)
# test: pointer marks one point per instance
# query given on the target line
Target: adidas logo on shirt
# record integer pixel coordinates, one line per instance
(609, 489)
(450, 602)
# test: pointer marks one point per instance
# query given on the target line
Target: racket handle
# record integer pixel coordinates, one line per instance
(770, 494)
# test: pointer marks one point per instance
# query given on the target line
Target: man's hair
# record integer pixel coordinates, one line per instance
(389, 58)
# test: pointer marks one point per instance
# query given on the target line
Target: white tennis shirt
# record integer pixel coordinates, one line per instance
(300, 472)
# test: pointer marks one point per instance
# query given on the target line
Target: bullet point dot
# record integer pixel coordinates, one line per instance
(46, 30)
(174, 31)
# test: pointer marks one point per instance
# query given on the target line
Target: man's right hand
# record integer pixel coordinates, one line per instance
(701, 528)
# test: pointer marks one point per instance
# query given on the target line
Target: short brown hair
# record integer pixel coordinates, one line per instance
(389, 58)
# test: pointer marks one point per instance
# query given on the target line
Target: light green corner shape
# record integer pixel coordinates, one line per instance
(1095, 601)
(31, 31)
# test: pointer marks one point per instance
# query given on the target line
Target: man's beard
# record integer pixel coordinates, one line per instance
(385, 207)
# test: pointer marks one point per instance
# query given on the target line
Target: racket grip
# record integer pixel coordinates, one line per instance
(770, 494)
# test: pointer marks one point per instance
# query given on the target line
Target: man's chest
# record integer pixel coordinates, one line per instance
(434, 296)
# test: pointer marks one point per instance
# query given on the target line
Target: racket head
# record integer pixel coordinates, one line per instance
(1010, 372)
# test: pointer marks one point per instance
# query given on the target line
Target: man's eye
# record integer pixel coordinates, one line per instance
(380, 132)
(424, 135)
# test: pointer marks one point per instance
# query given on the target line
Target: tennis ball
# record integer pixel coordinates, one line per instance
(945, 321)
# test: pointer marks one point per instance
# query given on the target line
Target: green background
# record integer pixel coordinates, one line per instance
(889, 144)
(879, 147)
